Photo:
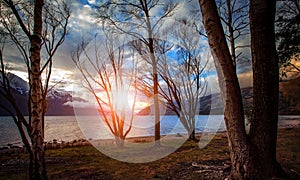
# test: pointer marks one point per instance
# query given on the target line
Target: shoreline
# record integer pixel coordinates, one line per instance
(72, 132)
(55, 144)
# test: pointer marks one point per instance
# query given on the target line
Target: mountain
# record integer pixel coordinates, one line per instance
(56, 106)
(290, 96)
(210, 104)
(56, 100)
(289, 100)
(16, 83)
(57, 103)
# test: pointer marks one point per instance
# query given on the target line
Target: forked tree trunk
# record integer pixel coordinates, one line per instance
(155, 83)
(230, 90)
(120, 141)
(192, 136)
(191, 131)
(263, 131)
(37, 163)
(153, 60)
(254, 157)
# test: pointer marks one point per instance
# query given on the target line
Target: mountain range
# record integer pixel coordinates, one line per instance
(60, 102)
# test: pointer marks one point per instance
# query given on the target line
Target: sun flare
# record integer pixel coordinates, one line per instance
(124, 99)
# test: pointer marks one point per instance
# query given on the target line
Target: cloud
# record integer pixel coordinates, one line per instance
(244, 60)
(91, 1)
(81, 26)
(21, 74)
(82, 20)
(61, 79)
(81, 23)
(12, 56)
(188, 9)
(212, 85)
(246, 79)
(80, 104)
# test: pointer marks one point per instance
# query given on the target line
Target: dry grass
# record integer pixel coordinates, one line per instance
(188, 162)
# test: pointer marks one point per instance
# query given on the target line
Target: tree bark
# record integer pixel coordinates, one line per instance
(230, 90)
(192, 136)
(37, 163)
(263, 131)
(253, 157)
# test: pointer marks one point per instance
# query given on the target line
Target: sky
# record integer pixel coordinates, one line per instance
(82, 25)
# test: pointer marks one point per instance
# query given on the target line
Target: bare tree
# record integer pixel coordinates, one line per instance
(108, 80)
(136, 19)
(288, 36)
(184, 76)
(234, 16)
(256, 151)
(33, 27)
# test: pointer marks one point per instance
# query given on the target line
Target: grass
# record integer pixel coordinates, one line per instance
(187, 162)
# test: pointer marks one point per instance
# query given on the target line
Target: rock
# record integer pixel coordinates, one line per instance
(4, 148)
(178, 135)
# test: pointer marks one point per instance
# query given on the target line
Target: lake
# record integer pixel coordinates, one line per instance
(69, 128)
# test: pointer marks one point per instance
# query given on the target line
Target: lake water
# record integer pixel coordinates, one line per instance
(69, 128)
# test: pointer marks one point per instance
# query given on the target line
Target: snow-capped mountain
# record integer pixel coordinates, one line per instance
(55, 94)
(17, 83)
(58, 101)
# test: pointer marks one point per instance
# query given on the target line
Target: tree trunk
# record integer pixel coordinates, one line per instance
(230, 90)
(263, 129)
(156, 110)
(191, 129)
(37, 163)
(150, 46)
(192, 136)
(120, 141)
(254, 158)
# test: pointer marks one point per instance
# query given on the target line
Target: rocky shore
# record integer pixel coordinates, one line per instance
(54, 144)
